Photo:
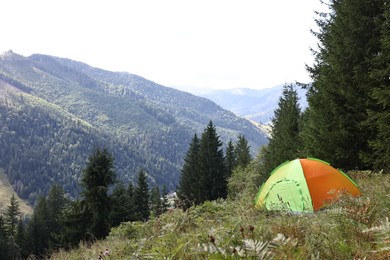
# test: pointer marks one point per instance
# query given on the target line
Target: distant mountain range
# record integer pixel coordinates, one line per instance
(55, 111)
(256, 105)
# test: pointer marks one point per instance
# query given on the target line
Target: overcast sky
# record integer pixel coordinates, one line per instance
(219, 44)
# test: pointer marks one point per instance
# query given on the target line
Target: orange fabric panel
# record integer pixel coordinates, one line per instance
(324, 182)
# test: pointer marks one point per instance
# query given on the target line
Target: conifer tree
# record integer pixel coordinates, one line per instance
(242, 151)
(141, 197)
(230, 158)
(155, 201)
(20, 239)
(284, 143)
(165, 202)
(3, 240)
(55, 203)
(379, 114)
(189, 184)
(75, 221)
(37, 231)
(97, 177)
(131, 203)
(213, 174)
(120, 209)
(349, 41)
(11, 216)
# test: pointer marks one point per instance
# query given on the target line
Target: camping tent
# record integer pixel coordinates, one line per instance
(303, 185)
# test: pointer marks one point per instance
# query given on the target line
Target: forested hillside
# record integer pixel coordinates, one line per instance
(54, 112)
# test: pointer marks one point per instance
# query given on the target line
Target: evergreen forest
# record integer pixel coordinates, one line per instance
(212, 215)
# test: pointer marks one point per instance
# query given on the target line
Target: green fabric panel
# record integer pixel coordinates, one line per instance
(286, 187)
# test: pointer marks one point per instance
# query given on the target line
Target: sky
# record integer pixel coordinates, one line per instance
(217, 44)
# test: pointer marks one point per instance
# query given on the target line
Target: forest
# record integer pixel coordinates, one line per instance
(346, 124)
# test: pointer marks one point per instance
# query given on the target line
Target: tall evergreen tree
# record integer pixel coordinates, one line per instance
(230, 158)
(213, 174)
(189, 183)
(379, 114)
(165, 203)
(284, 143)
(131, 201)
(75, 221)
(349, 40)
(20, 239)
(97, 177)
(155, 201)
(11, 216)
(37, 232)
(120, 205)
(242, 151)
(3, 240)
(141, 197)
(55, 203)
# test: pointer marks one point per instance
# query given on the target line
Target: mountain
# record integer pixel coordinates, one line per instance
(55, 111)
(256, 105)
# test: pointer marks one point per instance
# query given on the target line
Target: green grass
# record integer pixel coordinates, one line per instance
(352, 228)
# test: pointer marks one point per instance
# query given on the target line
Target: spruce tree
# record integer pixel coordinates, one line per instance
(189, 187)
(97, 177)
(284, 143)
(349, 40)
(230, 158)
(37, 232)
(155, 202)
(11, 216)
(55, 203)
(165, 203)
(131, 201)
(379, 114)
(141, 198)
(120, 205)
(3, 240)
(213, 173)
(20, 239)
(242, 152)
(74, 220)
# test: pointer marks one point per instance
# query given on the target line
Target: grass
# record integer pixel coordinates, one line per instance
(352, 228)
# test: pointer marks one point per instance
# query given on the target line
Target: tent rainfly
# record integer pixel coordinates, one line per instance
(304, 185)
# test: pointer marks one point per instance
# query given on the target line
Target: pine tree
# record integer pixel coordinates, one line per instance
(165, 203)
(155, 201)
(284, 143)
(55, 203)
(141, 197)
(3, 240)
(189, 183)
(37, 232)
(120, 209)
(213, 174)
(230, 158)
(74, 221)
(11, 216)
(242, 151)
(20, 239)
(349, 40)
(97, 177)
(131, 201)
(379, 114)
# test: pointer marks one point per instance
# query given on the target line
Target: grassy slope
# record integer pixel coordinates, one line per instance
(350, 229)
(6, 192)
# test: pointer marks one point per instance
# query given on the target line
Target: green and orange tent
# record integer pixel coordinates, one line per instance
(304, 185)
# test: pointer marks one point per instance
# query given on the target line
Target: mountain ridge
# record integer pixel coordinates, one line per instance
(74, 107)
